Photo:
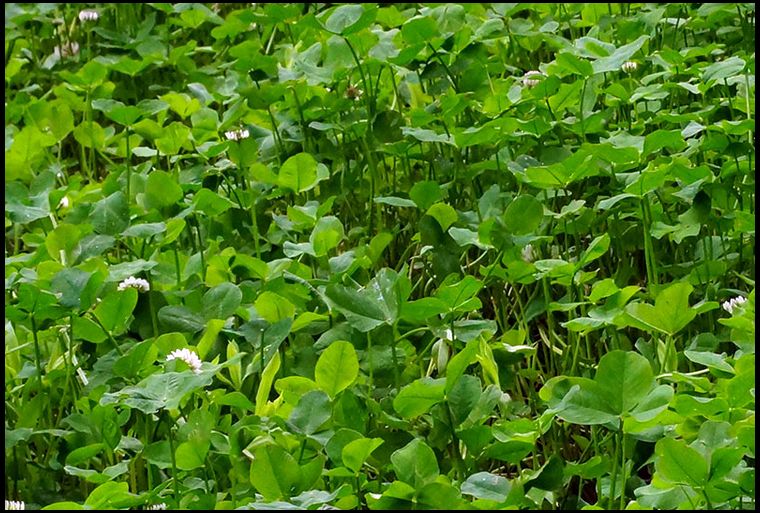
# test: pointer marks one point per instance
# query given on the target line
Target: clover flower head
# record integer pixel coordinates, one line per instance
(354, 93)
(629, 66)
(532, 78)
(67, 50)
(187, 356)
(160, 505)
(527, 253)
(137, 283)
(236, 135)
(88, 15)
(732, 303)
(15, 505)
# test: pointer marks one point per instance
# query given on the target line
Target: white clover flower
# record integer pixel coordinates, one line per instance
(64, 203)
(629, 66)
(440, 352)
(236, 135)
(137, 283)
(88, 15)
(187, 356)
(160, 505)
(527, 253)
(68, 50)
(729, 305)
(532, 78)
(15, 505)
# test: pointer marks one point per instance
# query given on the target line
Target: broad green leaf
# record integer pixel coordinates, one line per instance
(459, 296)
(181, 103)
(440, 496)
(671, 311)
(355, 453)
(485, 485)
(619, 56)
(208, 339)
(415, 463)
(311, 412)
(586, 403)
(298, 173)
(549, 477)
(265, 385)
(395, 202)
(274, 472)
(344, 17)
(161, 190)
(211, 203)
(653, 404)
(463, 397)
(221, 301)
(162, 390)
(292, 388)
(419, 29)
(444, 214)
(625, 377)
(273, 307)
(459, 363)
(595, 250)
(21, 206)
(70, 283)
(576, 65)
(716, 72)
(172, 138)
(425, 194)
(422, 309)
(360, 308)
(523, 215)
(117, 111)
(115, 309)
(112, 495)
(327, 234)
(337, 368)
(140, 356)
(111, 215)
(196, 440)
(84, 453)
(419, 396)
(180, 318)
(426, 135)
(678, 463)
(708, 359)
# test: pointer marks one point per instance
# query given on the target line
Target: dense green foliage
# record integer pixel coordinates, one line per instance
(403, 271)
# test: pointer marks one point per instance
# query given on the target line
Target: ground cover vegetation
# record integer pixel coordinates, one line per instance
(404, 256)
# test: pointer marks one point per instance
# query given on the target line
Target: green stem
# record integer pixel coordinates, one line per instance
(458, 461)
(108, 334)
(613, 475)
(369, 361)
(622, 468)
(394, 356)
(176, 266)
(254, 223)
(153, 316)
(174, 459)
(367, 92)
(129, 169)
(37, 355)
